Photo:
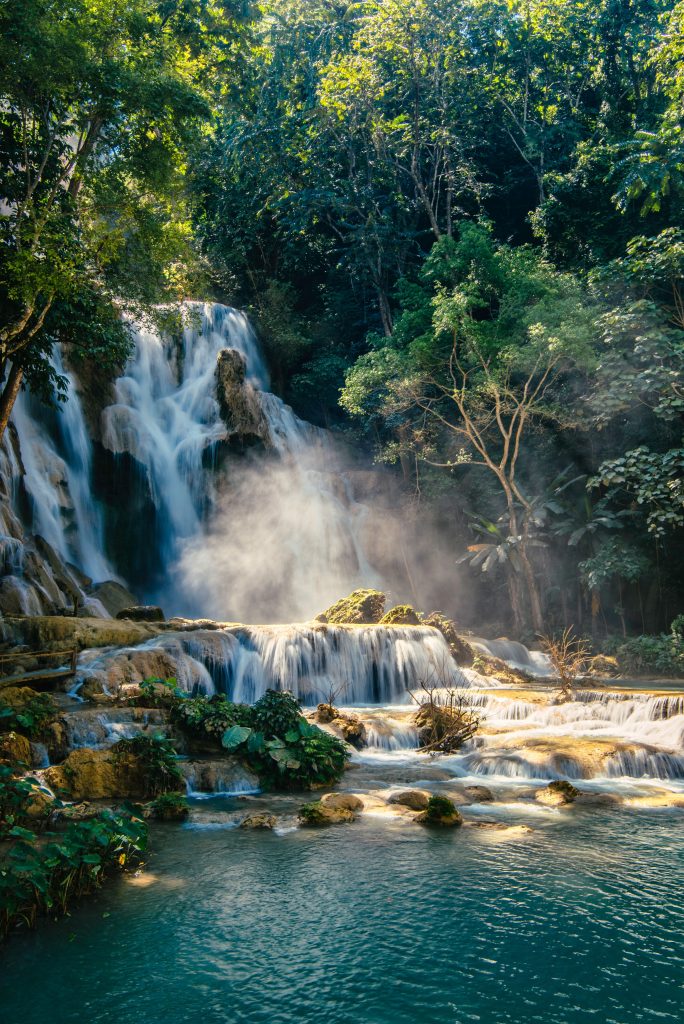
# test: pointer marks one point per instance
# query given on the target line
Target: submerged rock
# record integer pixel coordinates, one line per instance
(361, 607)
(416, 799)
(262, 820)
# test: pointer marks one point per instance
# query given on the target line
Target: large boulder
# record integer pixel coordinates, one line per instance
(113, 596)
(361, 607)
(346, 801)
(416, 799)
(318, 813)
(98, 775)
(238, 401)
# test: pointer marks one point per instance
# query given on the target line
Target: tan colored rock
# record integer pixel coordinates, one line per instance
(442, 820)
(557, 794)
(98, 775)
(360, 607)
(346, 801)
(317, 813)
(478, 794)
(258, 821)
(40, 805)
(15, 748)
(416, 799)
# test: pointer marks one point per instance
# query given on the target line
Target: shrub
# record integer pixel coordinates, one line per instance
(158, 760)
(31, 718)
(440, 807)
(44, 877)
(170, 807)
(651, 655)
(272, 737)
(16, 797)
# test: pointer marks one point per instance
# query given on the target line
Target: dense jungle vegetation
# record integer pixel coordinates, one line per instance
(457, 224)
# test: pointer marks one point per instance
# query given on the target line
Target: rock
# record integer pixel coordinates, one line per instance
(222, 775)
(15, 748)
(98, 775)
(346, 801)
(239, 403)
(17, 696)
(360, 607)
(39, 806)
(478, 794)
(440, 811)
(416, 799)
(142, 613)
(461, 651)
(113, 596)
(325, 713)
(168, 807)
(401, 615)
(258, 821)
(64, 632)
(352, 729)
(77, 812)
(318, 813)
(604, 665)
(557, 794)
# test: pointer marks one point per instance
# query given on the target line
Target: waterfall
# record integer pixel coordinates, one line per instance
(355, 664)
(515, 654)
(56, 454)
(271, 536)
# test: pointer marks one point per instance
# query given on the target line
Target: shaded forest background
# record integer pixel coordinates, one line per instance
(456, 223)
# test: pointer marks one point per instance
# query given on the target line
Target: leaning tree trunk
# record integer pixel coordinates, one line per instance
(9, 395)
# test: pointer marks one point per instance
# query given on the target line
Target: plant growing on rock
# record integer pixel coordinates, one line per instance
(445, 718)
(157, 757)
(30, 716)
(169, 807)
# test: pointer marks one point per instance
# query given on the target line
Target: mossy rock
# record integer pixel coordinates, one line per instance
(401, 615)
(346, 801)
(15, 748)
(259, 821)
(318, 813)
(168, 807)
(461, 651)
(361, 607)
(440, 811)
(98, 775)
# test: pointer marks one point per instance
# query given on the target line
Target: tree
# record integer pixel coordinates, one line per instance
(481, 354)
(100, 104)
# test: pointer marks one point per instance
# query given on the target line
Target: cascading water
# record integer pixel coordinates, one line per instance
(56, 452)
(273, 538)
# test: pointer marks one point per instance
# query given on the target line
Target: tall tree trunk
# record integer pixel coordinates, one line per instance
(532, 592)
(9, 395)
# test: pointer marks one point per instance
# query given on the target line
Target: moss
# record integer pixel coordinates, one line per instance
(169, 807)
(440, 811)
(461, 651)
(401, 615)
(359, 608)
(317, 813)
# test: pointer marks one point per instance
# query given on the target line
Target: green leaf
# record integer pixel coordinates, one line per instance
(234, 737)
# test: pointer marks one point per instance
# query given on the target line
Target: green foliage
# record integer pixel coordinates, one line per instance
(16, 797)
(30, 718)
(614, 558)
(655, 481)
(272, 737)
(653, 656)
(170, 807)
(158, 760)
(44, 875)
(439, 807)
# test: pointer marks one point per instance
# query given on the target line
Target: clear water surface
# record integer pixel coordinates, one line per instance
(374, 923)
